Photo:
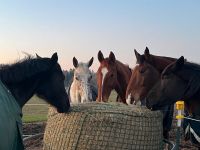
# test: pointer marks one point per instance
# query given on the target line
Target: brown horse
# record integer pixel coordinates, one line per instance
(159, 62)
(112, 74)
(179, 81)
(144, 76)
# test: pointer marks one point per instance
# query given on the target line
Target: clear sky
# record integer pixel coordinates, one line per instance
(83, 27)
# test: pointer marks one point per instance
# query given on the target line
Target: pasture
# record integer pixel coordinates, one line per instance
(35, 116)
(36, 109)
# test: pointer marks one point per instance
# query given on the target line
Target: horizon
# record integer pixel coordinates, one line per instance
(83, 28)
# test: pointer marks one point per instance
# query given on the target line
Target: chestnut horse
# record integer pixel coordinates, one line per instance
(144, 76)
(112, 74)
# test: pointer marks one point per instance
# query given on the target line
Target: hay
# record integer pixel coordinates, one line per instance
(97, 126)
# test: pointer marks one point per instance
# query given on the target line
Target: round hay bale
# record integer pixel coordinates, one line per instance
(103, 126)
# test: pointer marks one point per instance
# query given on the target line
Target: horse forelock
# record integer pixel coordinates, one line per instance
(82, 70)
(24, 69)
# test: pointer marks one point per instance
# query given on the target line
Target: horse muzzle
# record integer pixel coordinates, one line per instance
(148, 105)
(63, 110)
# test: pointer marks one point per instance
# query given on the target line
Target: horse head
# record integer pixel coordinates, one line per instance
(81, 82)
(143, 78)
(170, 88)
(106, 76)
(40, 76)
(51, 85)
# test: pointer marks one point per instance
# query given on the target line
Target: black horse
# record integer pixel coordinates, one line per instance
(179, 81)
(23, 79)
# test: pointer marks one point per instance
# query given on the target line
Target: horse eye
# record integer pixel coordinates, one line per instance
(76, 78)
(112, 75)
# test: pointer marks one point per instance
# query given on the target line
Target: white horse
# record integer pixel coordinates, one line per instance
(82, 88)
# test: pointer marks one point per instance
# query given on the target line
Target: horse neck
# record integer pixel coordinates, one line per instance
(123, 77)
(160, 62)
(22, 91)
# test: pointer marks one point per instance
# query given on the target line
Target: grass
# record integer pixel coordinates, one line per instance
(36, 113)
(34, 118)
(113, 96)
(36, 100)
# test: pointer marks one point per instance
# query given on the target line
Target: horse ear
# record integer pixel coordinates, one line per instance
(100, 56)
(138, 57)
(75, 62)
(90, 62)
(112, 57)
(179, 63)
(37, 56)
(146, 52)
(54, 58)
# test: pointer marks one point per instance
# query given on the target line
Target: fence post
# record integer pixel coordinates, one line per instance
(179, 117)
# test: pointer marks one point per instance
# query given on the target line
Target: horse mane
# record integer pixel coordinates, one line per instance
(168, 58)
(191, 65)
(194, 79)
(120, 65)
(124, 69)
(23, 69)
(160, 62)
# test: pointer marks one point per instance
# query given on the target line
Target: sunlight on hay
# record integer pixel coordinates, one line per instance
(96, 126)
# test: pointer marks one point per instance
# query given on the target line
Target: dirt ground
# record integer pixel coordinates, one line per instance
(35, 143)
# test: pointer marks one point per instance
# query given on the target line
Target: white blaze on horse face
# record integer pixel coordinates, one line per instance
(87, 93)
(104, 71)
(128, 100)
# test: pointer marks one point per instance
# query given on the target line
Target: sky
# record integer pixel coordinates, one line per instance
(81, 28)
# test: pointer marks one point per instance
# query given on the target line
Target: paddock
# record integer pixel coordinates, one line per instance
(35, 125)
(101, 126)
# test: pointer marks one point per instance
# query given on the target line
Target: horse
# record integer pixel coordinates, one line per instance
(18, 83)
(144, 76)
(159, 62)
(83, 87)
(146, 62)
(112, 74)
(179, 81)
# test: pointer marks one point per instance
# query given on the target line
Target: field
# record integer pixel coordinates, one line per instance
(35, 116)
(35, 110)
